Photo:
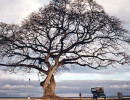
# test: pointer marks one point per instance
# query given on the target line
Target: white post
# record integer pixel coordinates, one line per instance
(29, 90)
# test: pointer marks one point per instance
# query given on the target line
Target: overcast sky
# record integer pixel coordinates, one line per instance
(78, 79)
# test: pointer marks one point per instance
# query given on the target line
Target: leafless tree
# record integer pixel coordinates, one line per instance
(74, 32)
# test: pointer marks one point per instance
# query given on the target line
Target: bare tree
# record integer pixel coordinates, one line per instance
(74, 32)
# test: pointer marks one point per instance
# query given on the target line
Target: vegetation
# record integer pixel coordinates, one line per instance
(74, 32)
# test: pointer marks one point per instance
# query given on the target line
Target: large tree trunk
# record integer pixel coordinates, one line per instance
(49, 83)
(49, 89)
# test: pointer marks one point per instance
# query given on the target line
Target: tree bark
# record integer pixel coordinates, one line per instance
(49, 89)
(49, 83)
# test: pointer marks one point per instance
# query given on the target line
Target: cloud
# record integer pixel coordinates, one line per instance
(78, 79)
(119, 8)
(13, 11)
(125, 86)
(8, 86)
(65, 88)
(85, 86)
(86, 73)
(19, 75)
(19, 88)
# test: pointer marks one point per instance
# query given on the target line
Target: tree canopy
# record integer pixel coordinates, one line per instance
(74, 32)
